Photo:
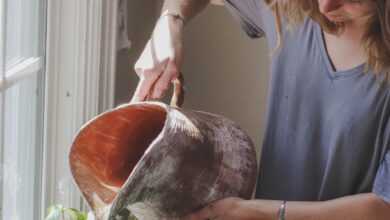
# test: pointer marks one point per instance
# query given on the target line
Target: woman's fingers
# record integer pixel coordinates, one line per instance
(142, 90)
(207, 213)
(162, 84)
(147, 80)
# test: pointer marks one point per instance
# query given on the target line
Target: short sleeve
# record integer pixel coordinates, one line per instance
(382, 179)
(248, 14)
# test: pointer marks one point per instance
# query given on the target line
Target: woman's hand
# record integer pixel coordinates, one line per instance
(237, 209)
(161, 59)
(225, 209)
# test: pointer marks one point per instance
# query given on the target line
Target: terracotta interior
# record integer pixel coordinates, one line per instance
(112, 145)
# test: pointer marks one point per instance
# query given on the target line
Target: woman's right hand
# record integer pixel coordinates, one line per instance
(160, 61)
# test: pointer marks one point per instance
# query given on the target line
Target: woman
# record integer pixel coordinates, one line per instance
(326, 152)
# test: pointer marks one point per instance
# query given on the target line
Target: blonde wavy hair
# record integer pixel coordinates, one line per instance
(376, 39)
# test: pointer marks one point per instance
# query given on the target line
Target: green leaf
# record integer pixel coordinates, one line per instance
(76, 214)
(55, 212)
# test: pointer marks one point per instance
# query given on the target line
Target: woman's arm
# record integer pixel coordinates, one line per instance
(187, 9)
(160, 61)
(356, 207)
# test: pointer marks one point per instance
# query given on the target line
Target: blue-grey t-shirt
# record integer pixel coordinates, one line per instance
(327, 132)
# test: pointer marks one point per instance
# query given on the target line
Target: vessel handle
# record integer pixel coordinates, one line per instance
(177, 98)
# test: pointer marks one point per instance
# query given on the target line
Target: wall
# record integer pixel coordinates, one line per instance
(225, 71)
(141, 19)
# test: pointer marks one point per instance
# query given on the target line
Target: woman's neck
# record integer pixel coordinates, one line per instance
(345, 49)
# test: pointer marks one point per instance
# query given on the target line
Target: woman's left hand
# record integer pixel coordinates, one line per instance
(224, 209)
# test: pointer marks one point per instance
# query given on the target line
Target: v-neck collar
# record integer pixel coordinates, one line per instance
(332, 73)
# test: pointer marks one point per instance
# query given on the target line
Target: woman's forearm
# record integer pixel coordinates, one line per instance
(357, 207)
(187, 9)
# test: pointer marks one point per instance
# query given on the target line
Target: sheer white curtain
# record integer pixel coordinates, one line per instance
(21, 91)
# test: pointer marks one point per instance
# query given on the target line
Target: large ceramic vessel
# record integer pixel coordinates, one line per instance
(153, 160)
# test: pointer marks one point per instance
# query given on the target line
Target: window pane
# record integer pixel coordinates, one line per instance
(22, 150)
(1, 151)
(23, 30)
(22, 113)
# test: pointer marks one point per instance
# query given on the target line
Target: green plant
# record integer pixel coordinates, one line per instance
(58, 212)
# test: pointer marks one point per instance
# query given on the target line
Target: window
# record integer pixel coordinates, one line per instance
(21, 107)
(57, 65)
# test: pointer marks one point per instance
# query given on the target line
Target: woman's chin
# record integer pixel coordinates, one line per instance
(337, 19)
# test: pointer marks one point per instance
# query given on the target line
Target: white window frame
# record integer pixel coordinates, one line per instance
(80, 77)
(10, 75)
(2, 78)
(26, 68)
